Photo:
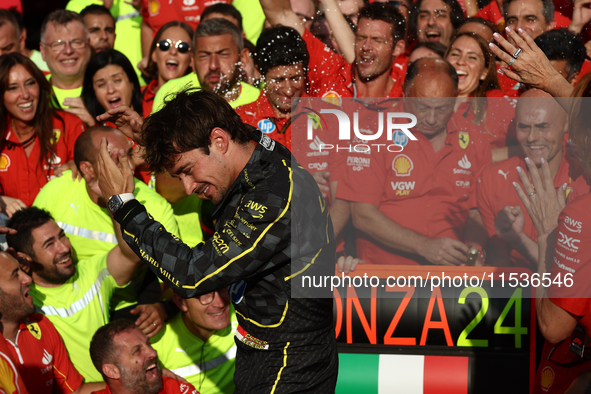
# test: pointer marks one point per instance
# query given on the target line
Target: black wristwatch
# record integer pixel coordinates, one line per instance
(116, 202)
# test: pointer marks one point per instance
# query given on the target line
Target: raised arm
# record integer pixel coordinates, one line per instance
(122, 262)
(234, 253)
(279, 12)
(544, 204)
(531, 67)
(340, 29)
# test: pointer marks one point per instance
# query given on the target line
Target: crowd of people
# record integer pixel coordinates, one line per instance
(179, 279)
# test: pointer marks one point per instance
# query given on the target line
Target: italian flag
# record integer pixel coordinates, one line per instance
(396, 373)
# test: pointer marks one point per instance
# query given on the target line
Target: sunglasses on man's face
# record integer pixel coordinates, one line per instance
(181, 46)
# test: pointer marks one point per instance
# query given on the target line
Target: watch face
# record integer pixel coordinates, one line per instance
(114, 204)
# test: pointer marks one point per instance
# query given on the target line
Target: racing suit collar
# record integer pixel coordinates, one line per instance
(242, 182)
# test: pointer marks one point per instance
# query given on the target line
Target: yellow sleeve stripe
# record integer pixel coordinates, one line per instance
(270, 325)
(65, 378)
(305, 268)
(254, 245)
(281, 370)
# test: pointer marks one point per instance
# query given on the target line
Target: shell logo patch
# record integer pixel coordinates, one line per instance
(154, 7)
(332, 97)
(4, 162)
(57, 133)
(402, 165)
(464, 139)
(547, 378)
(34, 330)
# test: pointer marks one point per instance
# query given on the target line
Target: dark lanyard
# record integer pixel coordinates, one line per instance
(11, 145)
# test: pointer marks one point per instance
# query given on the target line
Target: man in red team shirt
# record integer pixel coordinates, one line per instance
(128, 363)
(34, 345)
(282, 59)
(541, 124)
(379, 39)
(435, 20)
(411, 205)
(11, 381)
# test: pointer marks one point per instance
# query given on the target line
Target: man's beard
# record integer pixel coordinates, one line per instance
(14, 308)
(54, 275)
(138, 383)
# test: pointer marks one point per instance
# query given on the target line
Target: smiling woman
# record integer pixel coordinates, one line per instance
(110, 81)
(36, 140)
(478, 84)
(170, 57)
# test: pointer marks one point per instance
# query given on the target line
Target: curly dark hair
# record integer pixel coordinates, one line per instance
(24, 222)
(280, 46)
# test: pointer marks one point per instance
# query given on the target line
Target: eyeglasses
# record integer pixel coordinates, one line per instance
(181, 46)
(208, 298)
(59, 45)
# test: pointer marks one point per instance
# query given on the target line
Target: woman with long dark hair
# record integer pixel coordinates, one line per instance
(110, 81)
(37, 140)
(479, 98)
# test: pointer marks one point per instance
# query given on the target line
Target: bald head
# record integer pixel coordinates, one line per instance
(89, 142)
(431, 88)
(437, 78)
(536, 100)
(540, 127)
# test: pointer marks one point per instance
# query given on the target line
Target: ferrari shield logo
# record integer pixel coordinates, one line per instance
(56, 136)
(34, 330)
(464, 139)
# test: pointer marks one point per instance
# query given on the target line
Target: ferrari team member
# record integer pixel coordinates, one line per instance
(284, 343)
(435, 21)
(128, 363)
(379, 39)
(411, 206)
(37, 140)
(562, 308)
(74, 296)
(33, 343)
(282, 59)
(541, 124)
(11, 381)
(205, 331)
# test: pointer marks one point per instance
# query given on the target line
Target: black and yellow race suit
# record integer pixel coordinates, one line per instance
(273, 228)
